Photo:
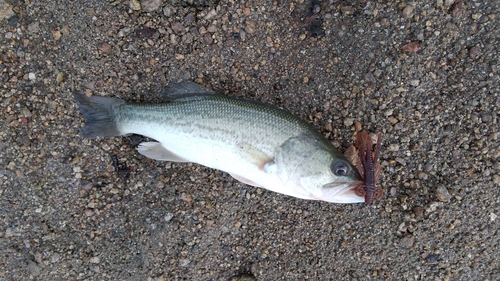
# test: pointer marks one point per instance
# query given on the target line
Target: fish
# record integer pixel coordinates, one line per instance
(257, 144)
(368, 167)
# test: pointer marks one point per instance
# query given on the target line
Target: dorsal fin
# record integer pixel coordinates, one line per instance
(183, 89)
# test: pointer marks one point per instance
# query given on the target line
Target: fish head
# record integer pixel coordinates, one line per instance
(329, 178)
(316, 170)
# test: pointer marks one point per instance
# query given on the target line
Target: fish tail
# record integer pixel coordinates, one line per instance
(99, 113)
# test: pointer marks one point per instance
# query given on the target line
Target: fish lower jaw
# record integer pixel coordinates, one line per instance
(345, 195)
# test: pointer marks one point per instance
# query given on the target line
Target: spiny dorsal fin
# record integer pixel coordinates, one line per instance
(183, 89)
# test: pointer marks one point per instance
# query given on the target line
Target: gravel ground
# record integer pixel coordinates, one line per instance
(425, 74)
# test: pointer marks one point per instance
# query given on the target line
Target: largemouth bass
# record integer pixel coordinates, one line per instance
(257, 144)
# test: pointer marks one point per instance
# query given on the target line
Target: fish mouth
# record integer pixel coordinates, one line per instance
(342, 192)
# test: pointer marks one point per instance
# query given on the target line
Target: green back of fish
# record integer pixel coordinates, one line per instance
(217, 116)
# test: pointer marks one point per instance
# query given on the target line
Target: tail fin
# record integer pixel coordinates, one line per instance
(98, 111)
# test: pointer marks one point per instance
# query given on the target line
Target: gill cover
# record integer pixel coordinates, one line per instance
(305, 164)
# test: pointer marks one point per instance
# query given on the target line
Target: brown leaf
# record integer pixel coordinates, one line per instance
(351, 155)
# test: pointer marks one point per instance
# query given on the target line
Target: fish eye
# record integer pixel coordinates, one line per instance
(340, 168)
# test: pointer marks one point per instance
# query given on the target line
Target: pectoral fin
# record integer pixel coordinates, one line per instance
(257, 158)
(155, 150)
(254, 155)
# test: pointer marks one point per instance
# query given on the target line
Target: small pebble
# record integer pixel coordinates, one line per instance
(414, 82)
(168, 217)
(486, 117)
(442, 194)
(474, 117)
(496, 179)
(411, 47)
(174, 39)
(473, 52)
(348, 122)
(457, 9)
(168, 11)
(407, 241)
(26, 112)
(150, 5)
(6, 10)
(428, 167)
(422, 175)
(56, 257)
(432, 258)
(394, 192)
(207, 38)
(476, 16)
(250, 27)
(433, 207)
(316, 9)
(134, 5)
(186, 197)
(189, 19)
(210, 14)
(493, 216)
(57, 35)
(124, 31)
(393, 147)
(34, 28)
(347, 10)
(212, 28)
(13, 21)
(384, 22)
(345, 103)
(61, 77)
(184, 262)
(402, 227)
(418, 211)
(408, 11)
(177, 27)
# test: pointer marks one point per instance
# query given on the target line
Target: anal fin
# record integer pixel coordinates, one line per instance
(156, 151)
(244, 180)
